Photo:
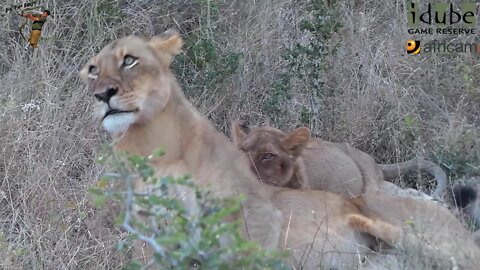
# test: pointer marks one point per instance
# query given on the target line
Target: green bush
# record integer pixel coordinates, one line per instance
(181, 236)
(306, 64)
(206, 62)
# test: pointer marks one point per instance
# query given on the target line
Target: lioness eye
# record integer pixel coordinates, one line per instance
(92, 72)
(129, 61)
(268, 156)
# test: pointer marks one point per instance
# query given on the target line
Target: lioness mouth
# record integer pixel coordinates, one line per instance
(112, 112)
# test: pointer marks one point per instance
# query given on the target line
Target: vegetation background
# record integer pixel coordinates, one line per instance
(338, 67)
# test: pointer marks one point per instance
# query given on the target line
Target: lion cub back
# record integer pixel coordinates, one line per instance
(330, 169)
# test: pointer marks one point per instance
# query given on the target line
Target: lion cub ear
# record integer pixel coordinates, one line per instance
(239, 132)
(297, 140)
(168, 42)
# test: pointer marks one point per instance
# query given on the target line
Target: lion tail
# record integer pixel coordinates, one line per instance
(392, 171)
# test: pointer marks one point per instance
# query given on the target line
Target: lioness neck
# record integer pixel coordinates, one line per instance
(187, 138)
(168, 128)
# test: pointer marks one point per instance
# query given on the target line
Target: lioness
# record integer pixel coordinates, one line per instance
(321, 165)
(140, 103)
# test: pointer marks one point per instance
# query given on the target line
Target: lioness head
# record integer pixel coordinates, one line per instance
(272, 153)
(131, 80)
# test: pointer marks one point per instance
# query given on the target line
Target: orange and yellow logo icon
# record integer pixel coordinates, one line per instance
(413, 46)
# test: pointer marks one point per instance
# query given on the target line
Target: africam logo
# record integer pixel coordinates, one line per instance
(435, 46)
(413, 46)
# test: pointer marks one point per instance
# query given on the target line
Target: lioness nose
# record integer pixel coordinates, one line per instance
(106, 95)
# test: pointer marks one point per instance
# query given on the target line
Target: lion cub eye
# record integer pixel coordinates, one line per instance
(92, 72)
(129, 61)
(268, 156)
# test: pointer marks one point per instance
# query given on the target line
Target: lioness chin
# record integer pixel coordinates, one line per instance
(140, 103)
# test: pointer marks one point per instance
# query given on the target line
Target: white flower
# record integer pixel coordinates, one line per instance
(60, 162)
(3, 195)
(33, 105)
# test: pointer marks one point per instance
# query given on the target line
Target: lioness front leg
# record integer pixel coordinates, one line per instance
(263, 223)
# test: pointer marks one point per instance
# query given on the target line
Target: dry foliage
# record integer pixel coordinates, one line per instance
(373, 95)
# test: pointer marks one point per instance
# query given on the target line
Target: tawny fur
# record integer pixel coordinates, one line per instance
(438, 237)
(431, 233)
(150, 111)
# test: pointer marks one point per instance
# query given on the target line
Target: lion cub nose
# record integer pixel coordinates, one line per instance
(106, 95)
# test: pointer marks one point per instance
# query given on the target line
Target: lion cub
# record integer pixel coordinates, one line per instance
(297, 161)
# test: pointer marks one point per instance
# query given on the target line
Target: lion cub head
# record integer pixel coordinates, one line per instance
(273, 154)
(131, 80)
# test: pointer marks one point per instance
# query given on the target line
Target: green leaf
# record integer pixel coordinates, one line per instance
(134, 266)
(95, 191)
(136, 160)
(102, 183)
(120, 219)
(408, 121)
(159, 152)
(100, 200)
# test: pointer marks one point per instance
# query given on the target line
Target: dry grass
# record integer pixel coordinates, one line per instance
(381, 100)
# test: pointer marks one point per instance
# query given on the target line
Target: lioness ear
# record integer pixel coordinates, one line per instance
(239, 132)
(84, 73)
(297, 140)
(168, 42)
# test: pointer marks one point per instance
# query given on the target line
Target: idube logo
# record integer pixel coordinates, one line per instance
(441, 18)
(413, 46)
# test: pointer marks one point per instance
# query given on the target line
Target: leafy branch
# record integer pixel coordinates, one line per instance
(180, 221)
